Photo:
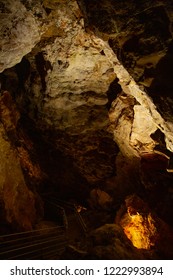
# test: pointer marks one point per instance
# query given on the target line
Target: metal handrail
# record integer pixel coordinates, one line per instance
(73, 207)
(28, 232)
(41, 251)
(29, 246)
(32, 240)
(18, 244)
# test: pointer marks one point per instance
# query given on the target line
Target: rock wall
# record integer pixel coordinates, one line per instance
(22, 205)
(17, 34)
(141, 37)
(96, 79)
(62, 84)
(69, 72)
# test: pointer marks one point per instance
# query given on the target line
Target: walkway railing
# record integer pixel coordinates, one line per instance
(44, 243)
(74, 209)
(36, 244)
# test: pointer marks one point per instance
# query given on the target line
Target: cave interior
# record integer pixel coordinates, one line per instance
(86, 129)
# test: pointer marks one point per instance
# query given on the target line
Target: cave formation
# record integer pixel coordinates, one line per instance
(86, 129)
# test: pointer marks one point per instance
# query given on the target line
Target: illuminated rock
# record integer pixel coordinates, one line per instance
(141, 231)
(110, 242)
(18, 34)
(144, 228)
(66, 82)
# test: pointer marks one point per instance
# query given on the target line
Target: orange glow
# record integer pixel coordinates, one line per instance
(140, 229)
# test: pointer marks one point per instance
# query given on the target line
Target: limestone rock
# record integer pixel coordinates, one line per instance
(13, 189)
(141, 37)
(69, 78)
(18, 34)
(145, 229)
(70, 62)
(70, 71)
(142, 128)
(109, 242)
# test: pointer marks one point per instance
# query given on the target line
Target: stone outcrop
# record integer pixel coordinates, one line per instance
(22, 206)
(19, 32)
(95, 78)
(64, 81)
(144, 228)
(109, 242)
(70, 69)
(141, 36)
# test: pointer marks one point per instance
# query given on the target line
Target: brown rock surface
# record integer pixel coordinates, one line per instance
(95, 77)
(109, 242)
(20, 203)
(145, 229)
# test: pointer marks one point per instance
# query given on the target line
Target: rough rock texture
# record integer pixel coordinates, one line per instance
(96, 78)
(67, 75)
(19, 32)
(109, 242)
(64, 80)
(70, 70)
(144, 228)
(141, 36)
(14, 191)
